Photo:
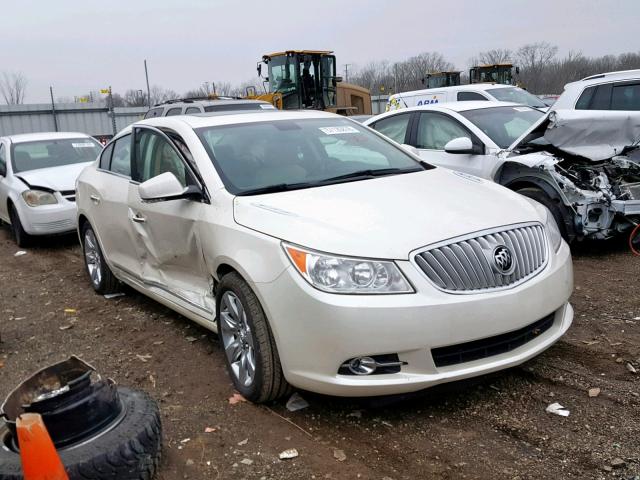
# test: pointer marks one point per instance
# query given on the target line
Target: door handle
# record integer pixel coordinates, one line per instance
(95, 199)
(138, 218)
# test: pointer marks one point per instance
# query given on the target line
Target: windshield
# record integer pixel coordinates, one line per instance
(290, 154)
(516, 95)
(503, 125)
(53, 153)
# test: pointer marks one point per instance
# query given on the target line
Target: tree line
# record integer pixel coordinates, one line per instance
(542, 70)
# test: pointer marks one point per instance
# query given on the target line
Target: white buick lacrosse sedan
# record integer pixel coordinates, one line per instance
(326, 256)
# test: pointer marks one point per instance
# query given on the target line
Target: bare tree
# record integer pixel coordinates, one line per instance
(12, 87)
(532, 60)
(135, 98)
(492, 57)
(160, 94)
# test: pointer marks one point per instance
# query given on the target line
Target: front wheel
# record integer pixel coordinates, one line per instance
(541, 197)
(250, 350)
(23, 239)
(102, 279)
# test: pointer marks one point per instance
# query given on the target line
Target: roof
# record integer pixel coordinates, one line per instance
(619, 75)
(468, 88)
(36, 137)
(229, 118)
(206, 101)
(451, 106)
(307, 52)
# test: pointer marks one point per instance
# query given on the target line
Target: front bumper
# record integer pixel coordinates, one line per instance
(48, 219)
(317, 332)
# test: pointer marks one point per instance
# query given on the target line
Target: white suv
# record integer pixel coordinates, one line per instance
(606, 91)
(325, 255)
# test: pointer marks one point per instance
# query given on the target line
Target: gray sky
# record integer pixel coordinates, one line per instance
(78, 46)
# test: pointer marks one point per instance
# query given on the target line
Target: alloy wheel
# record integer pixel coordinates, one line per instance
(237, 339)
(92, 257)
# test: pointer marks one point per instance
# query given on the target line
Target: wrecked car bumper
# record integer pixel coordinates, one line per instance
(317, 332)
(49, 219)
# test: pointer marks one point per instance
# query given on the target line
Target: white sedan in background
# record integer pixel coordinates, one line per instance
(326, 256)
(38, 172)
(464, 136)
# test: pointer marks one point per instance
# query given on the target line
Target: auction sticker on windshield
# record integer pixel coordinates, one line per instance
(83, 145)
(339, 130)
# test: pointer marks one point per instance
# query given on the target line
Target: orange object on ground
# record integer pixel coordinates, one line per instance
(40, 461)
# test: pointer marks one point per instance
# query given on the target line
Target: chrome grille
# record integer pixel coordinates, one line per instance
(467, 264)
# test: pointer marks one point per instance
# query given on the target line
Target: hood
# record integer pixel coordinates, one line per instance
(59, 179)
(386, 217)
(593, 134)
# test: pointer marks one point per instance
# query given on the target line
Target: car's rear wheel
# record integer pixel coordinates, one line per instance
(102, 279)
(541, 197)
(250, 350)
(23, 239)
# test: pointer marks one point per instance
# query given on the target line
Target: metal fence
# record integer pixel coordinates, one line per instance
(378, 103)
(93, 119)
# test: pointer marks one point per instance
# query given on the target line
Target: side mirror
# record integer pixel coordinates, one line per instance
(411, 149)
(459, 145)
(166, 187)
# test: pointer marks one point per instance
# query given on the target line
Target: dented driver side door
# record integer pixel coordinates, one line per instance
(166, 233)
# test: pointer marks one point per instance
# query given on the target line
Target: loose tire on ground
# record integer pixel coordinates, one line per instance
(108, 282)
(541, 197)
(129, 451)
(269, 382)
(23, 239)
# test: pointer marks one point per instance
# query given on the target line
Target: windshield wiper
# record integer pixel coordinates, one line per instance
(279, 187)
(371, 173)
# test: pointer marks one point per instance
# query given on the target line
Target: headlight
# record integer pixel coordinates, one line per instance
(35, 198)
(555, 237)
(347, 274)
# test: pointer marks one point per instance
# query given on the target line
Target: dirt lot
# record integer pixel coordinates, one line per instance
(491, 428)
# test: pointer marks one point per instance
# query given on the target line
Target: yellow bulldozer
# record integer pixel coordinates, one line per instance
(306, 79)
(503, 73)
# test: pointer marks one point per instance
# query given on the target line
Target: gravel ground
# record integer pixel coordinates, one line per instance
(491, 428)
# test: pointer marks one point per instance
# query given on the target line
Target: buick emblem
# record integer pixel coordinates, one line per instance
(503, 260)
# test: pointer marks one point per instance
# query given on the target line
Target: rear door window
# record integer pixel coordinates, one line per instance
(435, 130)
(467, 96)
(625, 96)
(105, 158)
(174, 111)
(192, 110)
(394, 127)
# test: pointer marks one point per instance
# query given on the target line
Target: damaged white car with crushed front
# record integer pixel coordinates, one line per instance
(326, 256)
(584, 166)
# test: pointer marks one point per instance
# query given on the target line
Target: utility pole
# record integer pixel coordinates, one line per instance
(53, 110)
(346, 72)
(395, 78)
(146, 74)
(113, 112)
(213, 86)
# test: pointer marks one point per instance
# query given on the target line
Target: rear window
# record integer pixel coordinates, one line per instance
(53, 153)
(625, 96)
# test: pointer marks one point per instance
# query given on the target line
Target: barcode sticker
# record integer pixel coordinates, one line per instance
(83, 145)
(339, 130)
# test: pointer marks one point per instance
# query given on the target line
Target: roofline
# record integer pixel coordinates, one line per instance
(308, 52)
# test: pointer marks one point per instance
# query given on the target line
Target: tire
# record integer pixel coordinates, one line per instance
(268, 382)
(23, 239)
(129, 451)
(541, 197)
(101, 277)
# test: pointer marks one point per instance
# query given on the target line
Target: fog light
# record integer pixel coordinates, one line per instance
(362, 366)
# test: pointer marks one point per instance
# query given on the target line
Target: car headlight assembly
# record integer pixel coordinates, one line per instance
(36, 198)
(335, 274)
(555, 237)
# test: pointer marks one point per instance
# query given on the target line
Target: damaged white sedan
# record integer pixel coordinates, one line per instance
(326, 256)
(584, 166)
